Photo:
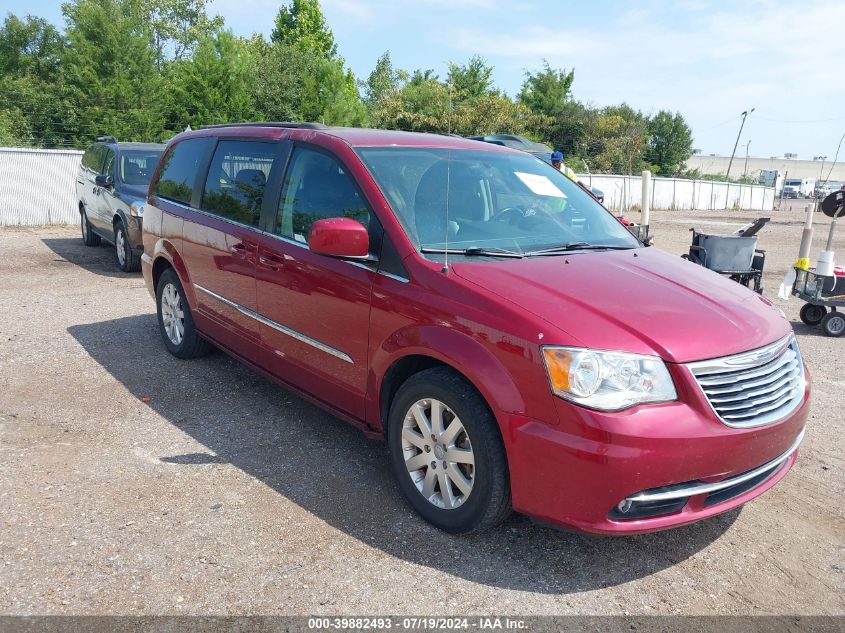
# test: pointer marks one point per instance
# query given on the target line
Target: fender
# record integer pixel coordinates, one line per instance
(121, 213)
(164, 248)
(455, 349)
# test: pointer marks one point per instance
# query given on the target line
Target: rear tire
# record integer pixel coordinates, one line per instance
(455, 474)
(811, 314)
(89, 238)
(128, 259)
(175, 321)
(833, 323)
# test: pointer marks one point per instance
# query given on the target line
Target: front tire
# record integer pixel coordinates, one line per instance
(175, 321)
(89, 238)
(447, 453)
(128, 259)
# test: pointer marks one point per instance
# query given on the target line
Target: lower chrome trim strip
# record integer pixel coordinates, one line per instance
(278, 326)
(702, 488)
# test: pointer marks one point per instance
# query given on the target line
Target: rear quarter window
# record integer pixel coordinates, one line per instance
(181, 167)
(92, 159)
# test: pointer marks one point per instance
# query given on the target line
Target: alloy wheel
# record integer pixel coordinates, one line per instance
(438, 454)
(120, 246)
(172, 314)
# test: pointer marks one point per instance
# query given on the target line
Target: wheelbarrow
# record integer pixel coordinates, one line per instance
(734, 255)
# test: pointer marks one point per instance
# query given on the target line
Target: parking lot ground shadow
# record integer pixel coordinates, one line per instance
(332, 470)
(95, 259)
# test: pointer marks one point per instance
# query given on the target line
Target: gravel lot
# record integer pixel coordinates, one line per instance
(135, 483)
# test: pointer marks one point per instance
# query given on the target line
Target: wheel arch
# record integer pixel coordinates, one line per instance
(119, 216)
(165, 255)
(444, 348)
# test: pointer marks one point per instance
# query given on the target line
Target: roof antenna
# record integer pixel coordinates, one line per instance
(445, 268)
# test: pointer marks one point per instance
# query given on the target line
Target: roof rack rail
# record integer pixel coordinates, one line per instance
(304, 126)
(106, 139)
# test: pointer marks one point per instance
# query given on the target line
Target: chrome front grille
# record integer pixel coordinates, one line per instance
(753, 388)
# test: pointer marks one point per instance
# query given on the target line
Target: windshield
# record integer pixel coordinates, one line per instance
(501, 202)
(137, 166)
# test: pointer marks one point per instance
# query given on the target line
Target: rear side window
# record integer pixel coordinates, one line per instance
(237, 178)
(93, 158)
(316, 186)
(178, 176)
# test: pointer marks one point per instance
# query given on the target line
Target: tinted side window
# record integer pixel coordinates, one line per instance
(108, 167)
(137, 166)
(178, 175)
(316, 186)
(236, 180)
(93, 158)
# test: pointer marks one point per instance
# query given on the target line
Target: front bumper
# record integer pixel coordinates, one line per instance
(576, 472)
(134, 231)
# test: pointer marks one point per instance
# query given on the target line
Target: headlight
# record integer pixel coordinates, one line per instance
(136, 209)
(608, 381)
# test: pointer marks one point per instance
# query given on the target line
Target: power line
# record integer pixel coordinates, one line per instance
(837, 118)
(829, 171)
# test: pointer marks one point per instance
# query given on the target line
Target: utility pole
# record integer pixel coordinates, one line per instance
(822, 158)
(744, 114)
(745, 169)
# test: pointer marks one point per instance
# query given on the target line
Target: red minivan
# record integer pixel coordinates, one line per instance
(512, 342)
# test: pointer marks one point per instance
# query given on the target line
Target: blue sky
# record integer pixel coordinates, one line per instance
(709, 60)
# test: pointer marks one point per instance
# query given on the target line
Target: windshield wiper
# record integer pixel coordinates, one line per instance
(474, 251)
(576, 246)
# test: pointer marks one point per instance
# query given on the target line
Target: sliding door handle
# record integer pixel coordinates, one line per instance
(270, 261)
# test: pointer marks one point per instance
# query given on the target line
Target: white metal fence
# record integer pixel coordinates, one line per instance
(624, 192)
(38, 186)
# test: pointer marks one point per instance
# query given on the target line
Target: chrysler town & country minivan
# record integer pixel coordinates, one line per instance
(512, 342)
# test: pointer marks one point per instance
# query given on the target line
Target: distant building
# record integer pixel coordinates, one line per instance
(713, 164)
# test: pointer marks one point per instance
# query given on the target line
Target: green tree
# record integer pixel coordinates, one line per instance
(30, 47)
(303, 25)
(617, 139)
(472, 80)
(113, 84)
(330, 96)
(32, 110)
(283, 70)
(215, 85)
(495, 113)
(176, 26)
(547, 91)
(383, 81)
(670, 144)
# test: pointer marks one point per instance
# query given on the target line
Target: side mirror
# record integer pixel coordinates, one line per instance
(339, 237)
(101, 180)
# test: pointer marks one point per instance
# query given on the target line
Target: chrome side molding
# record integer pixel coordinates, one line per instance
(299, 336)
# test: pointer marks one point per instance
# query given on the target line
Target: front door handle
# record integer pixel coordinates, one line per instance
(243, 251)
(270, 261)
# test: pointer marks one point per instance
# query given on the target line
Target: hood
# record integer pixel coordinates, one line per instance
(642, 301)
(131, 193)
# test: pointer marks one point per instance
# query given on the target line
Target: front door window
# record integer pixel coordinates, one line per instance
(316, 187)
